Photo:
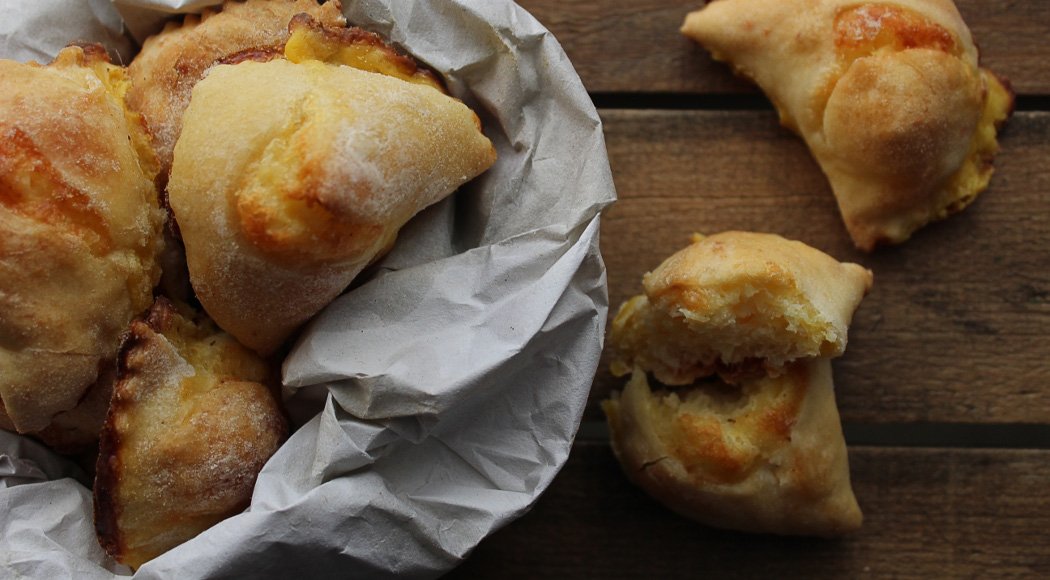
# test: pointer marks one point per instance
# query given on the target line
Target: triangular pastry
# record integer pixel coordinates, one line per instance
(741, 327)
(80, 231)
(192, 421)
(290, 176)
(764, 456)
(171, 62)
(888, 96)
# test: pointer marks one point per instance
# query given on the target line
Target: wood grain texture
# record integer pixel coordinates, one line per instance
(957, 327)
(634, 45)
(929, 513)
(956, 330)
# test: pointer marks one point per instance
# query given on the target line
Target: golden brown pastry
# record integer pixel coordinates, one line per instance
(888, 95)
(311, 40)
(736, 299)
(750, 322)
(79, 236)
(765, 456)
(76, 431)
(191, 423)
(290, 177)
(170, 63)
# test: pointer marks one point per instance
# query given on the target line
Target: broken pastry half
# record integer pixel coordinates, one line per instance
(888, 96)
(765, 456)
(171, 62)
(740, 329)
(191, 423)
(292, 175)
(734, 301)
(80, 232)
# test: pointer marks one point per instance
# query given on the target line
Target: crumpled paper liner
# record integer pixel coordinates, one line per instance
(440, 396)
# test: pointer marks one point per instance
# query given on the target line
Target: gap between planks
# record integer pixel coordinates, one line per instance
(736, 101)
(955, 329)
(912, 435)
(929, 513)
(634, 45)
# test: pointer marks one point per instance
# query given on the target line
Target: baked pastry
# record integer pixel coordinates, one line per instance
(887, 95)
(735, 300)
(191, 423)
(313, 40)
(79, 237)
(290, 176)
(171, 62)
(749, 322)
(764, 456)
(76, 431)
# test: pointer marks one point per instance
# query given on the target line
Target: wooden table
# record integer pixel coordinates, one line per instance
(945, 388)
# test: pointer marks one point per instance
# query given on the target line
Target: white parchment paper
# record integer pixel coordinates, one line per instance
(437, 399)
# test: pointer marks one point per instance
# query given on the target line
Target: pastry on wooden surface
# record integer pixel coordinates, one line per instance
(172, 61)
(80, 231)
(192, 422)
(290, 176)
(741, 328)
(735, 300)
(888, 96)
(764, 456)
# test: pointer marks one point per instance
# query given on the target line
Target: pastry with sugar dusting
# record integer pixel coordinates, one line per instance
(766, 455)
(735, 301)
(888, 96)
(740, 329)
(192, 421)
(290, 176)
(171, 62)
(80, 232)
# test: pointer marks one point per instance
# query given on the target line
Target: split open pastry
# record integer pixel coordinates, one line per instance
(191, 423)
(765, 456)
(171, 62)
(292, 175)
(80, 233)
(740, 327)
(888, 96)
(736, 301)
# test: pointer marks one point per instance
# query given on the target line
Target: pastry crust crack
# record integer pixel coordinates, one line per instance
(740, 328)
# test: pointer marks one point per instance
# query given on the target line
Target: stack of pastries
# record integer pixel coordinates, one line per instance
(740, 329)
(284, 151)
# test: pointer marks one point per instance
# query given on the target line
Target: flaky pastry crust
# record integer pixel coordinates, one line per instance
(737, 299)
(749, 322)
(766, 456)
(191, 423)
(170, 63)
(888, 96)
(291, 177)
(79, 237)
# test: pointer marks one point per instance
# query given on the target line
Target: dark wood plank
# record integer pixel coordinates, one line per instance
(957, 327)
(634, 45)
(929, 513)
